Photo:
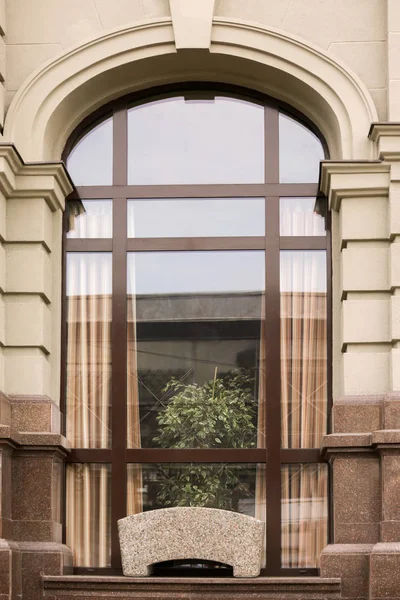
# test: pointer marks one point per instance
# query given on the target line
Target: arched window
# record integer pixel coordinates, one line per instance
(196, 320)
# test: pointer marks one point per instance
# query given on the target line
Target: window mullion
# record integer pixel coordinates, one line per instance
(272, 372)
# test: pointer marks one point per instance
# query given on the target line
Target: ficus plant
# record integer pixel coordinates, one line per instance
(219, 413)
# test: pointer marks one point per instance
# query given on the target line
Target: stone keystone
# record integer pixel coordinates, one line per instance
(191, 533)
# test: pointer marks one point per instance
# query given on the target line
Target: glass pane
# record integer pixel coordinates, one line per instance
(237, 487)
(88, 514)
(176, 141)
(300, 152)
(304, 397)
(206, 217)
(304, 514)
(297, 217)
(89, 282)
(196, 349)
(94, 221)
(91, 160)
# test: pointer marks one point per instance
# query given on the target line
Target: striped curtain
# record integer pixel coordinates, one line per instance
(303, 349)
(303, 404)
(88, 404)
(304, 514)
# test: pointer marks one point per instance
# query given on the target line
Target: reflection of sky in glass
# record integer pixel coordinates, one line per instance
(91, 162)
(303, 271)
(89, 273)
(300, 152)
(195, 272)
(196, 217)
(202, 141)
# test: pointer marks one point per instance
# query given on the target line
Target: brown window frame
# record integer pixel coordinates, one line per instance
(273, 456)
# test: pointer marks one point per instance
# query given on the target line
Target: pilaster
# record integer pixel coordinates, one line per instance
(364, 449)
(32, 449)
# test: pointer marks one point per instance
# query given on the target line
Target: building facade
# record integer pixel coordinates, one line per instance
(73, 461)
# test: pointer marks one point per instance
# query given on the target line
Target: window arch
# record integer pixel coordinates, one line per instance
(196, 320)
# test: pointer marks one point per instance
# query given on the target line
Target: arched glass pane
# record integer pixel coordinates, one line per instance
(300, 152)
(91, 161)
(178, 141)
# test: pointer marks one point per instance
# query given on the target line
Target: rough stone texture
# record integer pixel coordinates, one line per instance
(385, 572)
(390, 468)
(158, 588)
(38, 559)
(5, 410)
(356, 497)
(350, 562)
(10, 571)
(357, 414)
(34, 414)
(391, 411)
(183, 533)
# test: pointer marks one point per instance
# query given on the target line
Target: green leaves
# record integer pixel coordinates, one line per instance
(220, 413)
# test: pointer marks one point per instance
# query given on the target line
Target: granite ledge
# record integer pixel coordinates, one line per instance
(386, 548)
(386, 436)
(44, 439)
(346, 440)
(348, 549)
(122, 583)
(33, 439)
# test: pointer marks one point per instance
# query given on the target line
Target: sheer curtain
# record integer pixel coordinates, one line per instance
(303, 403)
(88, 403)
(304, 514)
(134, 475)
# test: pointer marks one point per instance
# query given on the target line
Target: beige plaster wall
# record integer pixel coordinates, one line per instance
(353, 31)
(41, 29)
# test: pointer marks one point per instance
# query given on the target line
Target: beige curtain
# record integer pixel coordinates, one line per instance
(134, 474)
(303, 404)
(303, 350)
(88, 514)
(304, 514)
(88, 404)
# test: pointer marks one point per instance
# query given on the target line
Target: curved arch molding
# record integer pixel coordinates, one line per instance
(55, 98)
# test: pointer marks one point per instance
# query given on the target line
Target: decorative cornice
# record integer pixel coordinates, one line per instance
(378, 130)
(48, 180)
(387, 137)
(353, 179)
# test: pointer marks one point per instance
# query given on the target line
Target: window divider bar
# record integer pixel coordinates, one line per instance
(187, 244)
(118, 376)
(88, 245)
(301, 455)
(194, 455)
(90, 455)
(272, 371)
(303, 243)
(120, 145)
(160, 192)
(271, 145)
